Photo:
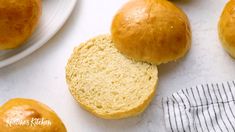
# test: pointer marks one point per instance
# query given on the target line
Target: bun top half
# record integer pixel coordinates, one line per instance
(27, 115)
(226, 28)
(154, 31)
(18, 20)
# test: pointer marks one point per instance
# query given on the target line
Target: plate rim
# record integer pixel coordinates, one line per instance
(40, 43)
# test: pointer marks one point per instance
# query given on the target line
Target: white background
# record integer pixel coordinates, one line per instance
(41, 75)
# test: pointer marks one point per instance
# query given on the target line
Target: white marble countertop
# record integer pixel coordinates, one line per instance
(41, 75)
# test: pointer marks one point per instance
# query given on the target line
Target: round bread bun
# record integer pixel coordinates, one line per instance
(108, 84)
(26, 115)
(227, 28)
(18, 20)
(155, 31)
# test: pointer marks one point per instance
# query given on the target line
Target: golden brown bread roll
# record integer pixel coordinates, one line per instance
(227, 28)
(25, 115)
(18, 20)
(155, 31)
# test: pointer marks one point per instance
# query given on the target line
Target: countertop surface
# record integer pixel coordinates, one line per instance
(41, 75)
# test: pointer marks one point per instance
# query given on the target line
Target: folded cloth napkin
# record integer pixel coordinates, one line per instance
(203, 108)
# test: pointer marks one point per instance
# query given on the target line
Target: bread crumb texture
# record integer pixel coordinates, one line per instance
(108, 84)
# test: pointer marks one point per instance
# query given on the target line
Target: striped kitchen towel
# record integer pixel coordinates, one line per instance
(203, 108)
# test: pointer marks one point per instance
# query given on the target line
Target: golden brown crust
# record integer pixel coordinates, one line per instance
(154, 31)
(18, 21)
(24, 115)
(227, 28)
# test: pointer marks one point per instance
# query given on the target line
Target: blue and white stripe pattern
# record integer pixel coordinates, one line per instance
(203, 108)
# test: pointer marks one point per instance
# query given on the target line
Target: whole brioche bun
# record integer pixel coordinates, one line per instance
(227, 28)
(155, 31)
(18, 20)
(21, 115)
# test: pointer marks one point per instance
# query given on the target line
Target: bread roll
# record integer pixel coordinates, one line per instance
(26, 115)
(106, 83)
(155, 31)
(18, 20)
(227, 28)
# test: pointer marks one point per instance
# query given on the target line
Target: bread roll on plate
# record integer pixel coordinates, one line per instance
(18, 20)
(27, 115)
(108, 84)
(227, 28)
(155, 31)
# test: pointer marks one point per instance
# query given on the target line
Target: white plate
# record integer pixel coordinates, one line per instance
(54, 15)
